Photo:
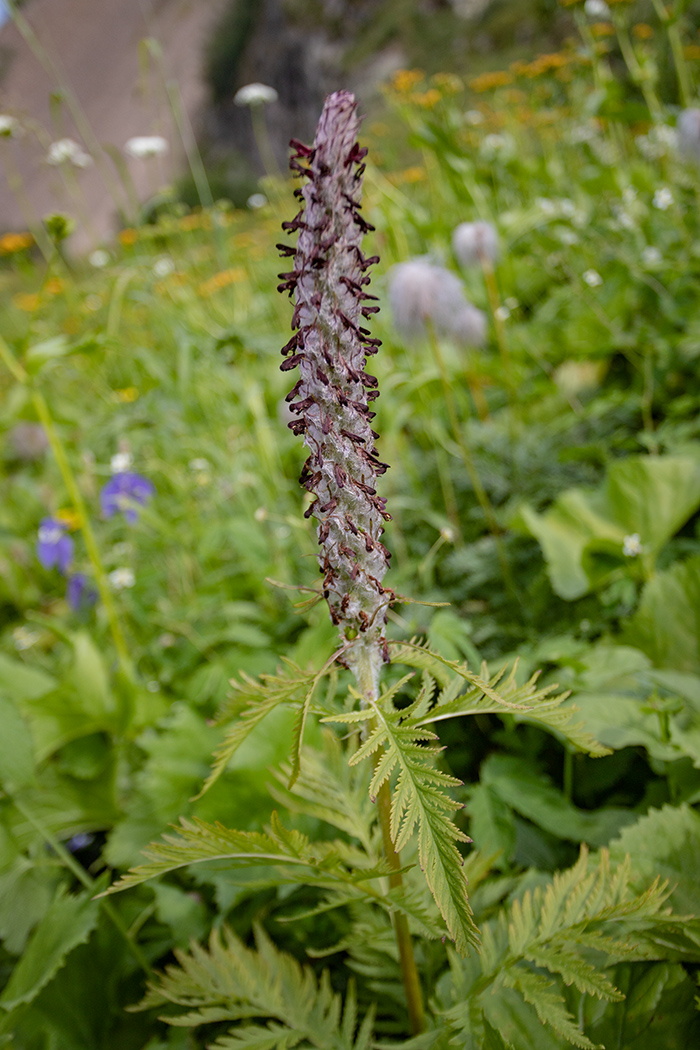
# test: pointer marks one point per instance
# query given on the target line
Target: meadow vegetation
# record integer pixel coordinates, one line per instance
(545, 496)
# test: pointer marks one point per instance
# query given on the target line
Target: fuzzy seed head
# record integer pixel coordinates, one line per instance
(475, 243)
(422, 294)
(330, 402)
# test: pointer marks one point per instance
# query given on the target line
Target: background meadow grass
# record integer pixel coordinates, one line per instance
(590, 435)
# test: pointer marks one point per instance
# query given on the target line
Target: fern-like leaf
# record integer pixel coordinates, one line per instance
(499, 695)
(419, 800)
(232, 982)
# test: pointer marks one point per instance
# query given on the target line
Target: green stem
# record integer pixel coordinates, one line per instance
(367, 683)
(76, 496)
(685, 89)
(69, 861)
(479, 490)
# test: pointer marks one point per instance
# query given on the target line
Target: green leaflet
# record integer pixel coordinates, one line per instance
(231, 982)
(68, 922)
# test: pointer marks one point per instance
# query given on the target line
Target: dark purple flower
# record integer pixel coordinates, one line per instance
(79, 592)
(54, 547)
(122, 491)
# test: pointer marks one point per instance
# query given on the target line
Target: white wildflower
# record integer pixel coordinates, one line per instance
(92, 303)
(255, 95)
(651, 256)
(67, 151)
(198, 464)
(24, 638)
(629, 195)
(256, 200)
(511, 302)
(475, 242)
(546, 206)
(473, 117)
(99, 258)
(494, 144)
(122, 578)
(567, 208)
(163, 266)
(422, 293)
(597, 9)
(502, 313)
(566, 236)
(121, 462)
(663, 199)
(593, 278)
(144, 146)
(10, 127)
(689, 133)
(632, 545)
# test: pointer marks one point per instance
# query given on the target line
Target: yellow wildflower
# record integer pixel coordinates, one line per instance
(406, 79)
(691, 51)
(127, 394)
(448, 83)
(220, 280)
(15, 242)
(426, 99)
(128, 237)
(642, 31)
(488, 81)
(54, 286)
(27, 301)
(599, 29)
(68, 517)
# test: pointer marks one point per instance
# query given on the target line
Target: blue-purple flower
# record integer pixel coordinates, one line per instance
(122, 491)
(54, 548)
(80, 592)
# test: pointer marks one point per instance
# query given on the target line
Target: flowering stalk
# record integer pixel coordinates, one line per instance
(331, 401)
(332, 397)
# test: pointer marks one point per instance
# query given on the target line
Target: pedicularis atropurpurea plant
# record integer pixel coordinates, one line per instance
(376, 846)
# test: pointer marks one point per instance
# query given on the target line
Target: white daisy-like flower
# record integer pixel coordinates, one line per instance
(651, 256)
(422, 293)
(122, 578)
(256, 200)
(632, 545)
(67, 151)
(163, 266)
(597, 9)
(144, 146)
(663, 199)
(473, 117)
(255, 95)
(593, 278)
(99, 258)
(121, 462)
(10, 127)
(475, 242)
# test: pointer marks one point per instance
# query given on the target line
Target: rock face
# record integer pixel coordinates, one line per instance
(95, 44)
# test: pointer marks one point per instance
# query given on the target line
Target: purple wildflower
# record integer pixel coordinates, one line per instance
(79, 592)
(54, 547)
(124, 490)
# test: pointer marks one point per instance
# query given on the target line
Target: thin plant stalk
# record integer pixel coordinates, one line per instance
(34, 225)
(69, 862)
(42, 410)
(671, 24)
(368, 687)
(469, 466)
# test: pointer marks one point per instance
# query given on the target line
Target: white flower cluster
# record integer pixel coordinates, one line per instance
(145, 146)
(67, 151)
(255, 95)
(10, 127)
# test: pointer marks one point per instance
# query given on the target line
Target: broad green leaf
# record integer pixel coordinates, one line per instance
(48, 350)
(68, 922)
(25, 893)
(582, 533)
(492, 826)
(532, 795)
(88, 676)
(16, 751)
(666, 624)
(19, 682)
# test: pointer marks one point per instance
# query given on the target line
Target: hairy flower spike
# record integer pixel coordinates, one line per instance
(333, 395)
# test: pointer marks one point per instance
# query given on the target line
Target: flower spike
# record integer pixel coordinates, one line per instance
(333, 395)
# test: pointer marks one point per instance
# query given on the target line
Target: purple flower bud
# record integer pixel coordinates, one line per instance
(475, 243)
(54, 548)
(122, 491)
(331, 400)
(421, 293)
(79, 592)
